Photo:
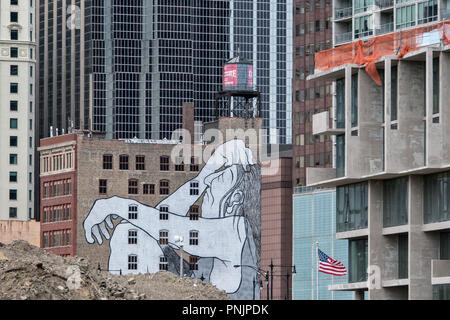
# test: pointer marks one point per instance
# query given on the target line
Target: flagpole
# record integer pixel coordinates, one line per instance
(317, 270)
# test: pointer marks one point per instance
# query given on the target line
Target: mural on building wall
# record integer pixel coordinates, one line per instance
(225, 235)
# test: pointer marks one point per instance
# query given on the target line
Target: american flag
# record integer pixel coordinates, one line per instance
(330, 266)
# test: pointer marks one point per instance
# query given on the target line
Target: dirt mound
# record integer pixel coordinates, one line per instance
(29, 273)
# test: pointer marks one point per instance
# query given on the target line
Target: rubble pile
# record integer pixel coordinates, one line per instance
(29, 273)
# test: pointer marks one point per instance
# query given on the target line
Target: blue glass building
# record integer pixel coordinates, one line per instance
(314, 221)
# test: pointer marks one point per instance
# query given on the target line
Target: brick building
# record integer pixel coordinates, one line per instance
(312, 33)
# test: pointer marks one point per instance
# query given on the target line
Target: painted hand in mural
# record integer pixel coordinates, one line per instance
(230, 153)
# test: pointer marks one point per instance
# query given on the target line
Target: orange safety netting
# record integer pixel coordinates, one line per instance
(397, 43)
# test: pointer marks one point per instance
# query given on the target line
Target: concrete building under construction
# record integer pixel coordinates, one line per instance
(391, 120)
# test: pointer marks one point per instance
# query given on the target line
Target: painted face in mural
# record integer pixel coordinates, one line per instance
(226, 183)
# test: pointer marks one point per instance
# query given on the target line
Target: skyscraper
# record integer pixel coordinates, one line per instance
(127, 68)
(312, 20)
(17, 73)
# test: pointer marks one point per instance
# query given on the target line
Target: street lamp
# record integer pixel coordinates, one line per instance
(179, 239)
(287, 277)
(260, 272)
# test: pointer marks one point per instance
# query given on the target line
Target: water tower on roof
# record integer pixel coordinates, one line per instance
(239, 97)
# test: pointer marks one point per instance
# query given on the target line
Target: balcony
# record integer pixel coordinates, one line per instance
(321, 125)
(445, 14)
(343, 38)
(343, 13)
(385, 28)
(440, 272)
(381, 4)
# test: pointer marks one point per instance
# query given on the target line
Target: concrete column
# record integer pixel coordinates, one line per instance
(387, 113)
(433, 134)
(422, 246)
(348, 122)
(382, 250)
(445, 105)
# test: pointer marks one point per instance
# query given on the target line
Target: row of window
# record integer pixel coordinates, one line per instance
(163, 263)
(57, 162)
(148, 188)
(57, 188)
(57, 213)
(194, 212)
(124, 163)
(57, 238)
(163, 237)
(312, 26)
(313, 93)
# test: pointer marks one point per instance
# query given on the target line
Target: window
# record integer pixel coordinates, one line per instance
(351, 207)
(132, 262)
(13, 176)
(123, 162)
(403, 256)
(14, 17)
(14, 70)
(14, 88)
(164, 187)
(193, 263)
(405, 17)
(362, 5)
(358, 262)
(140, 162)
(14, 2)
(132, 236)
(354, 111)
(132, 186)
(132, 212)
(164, 237)
(194, 190)
(444, 246)
(436, 85)
(102, 186)
(12, 212)
(179, 166)
(394, 85)
(163, 265)
(164, 163)
(427, 11)
(13, 123)
(441, 292)
(13, 141)
(14, 52)
(13, 158)
(194, 213)
(193, 238)
(12, 194)
(363, 26)
(13, 105)
(436, 197)
(107, 161)
(395, 202)
(164, 213)
(194, 164)
(149, 188)
(14, 34)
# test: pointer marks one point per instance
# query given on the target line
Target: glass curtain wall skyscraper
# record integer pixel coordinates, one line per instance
(125, 68)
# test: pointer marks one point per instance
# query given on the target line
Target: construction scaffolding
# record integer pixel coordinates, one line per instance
(398, 43)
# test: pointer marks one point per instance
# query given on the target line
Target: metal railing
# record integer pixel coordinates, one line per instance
(445, 14)
(384, 3)
(343, 37)
(343, 13)
(385, 28)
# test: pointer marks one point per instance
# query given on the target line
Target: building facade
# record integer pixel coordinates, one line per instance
(17, 92)
(314, 222)
(121, 204)
(276, 222)
(392, 159)
(126, 69)
(312, 33)
(364, 19)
